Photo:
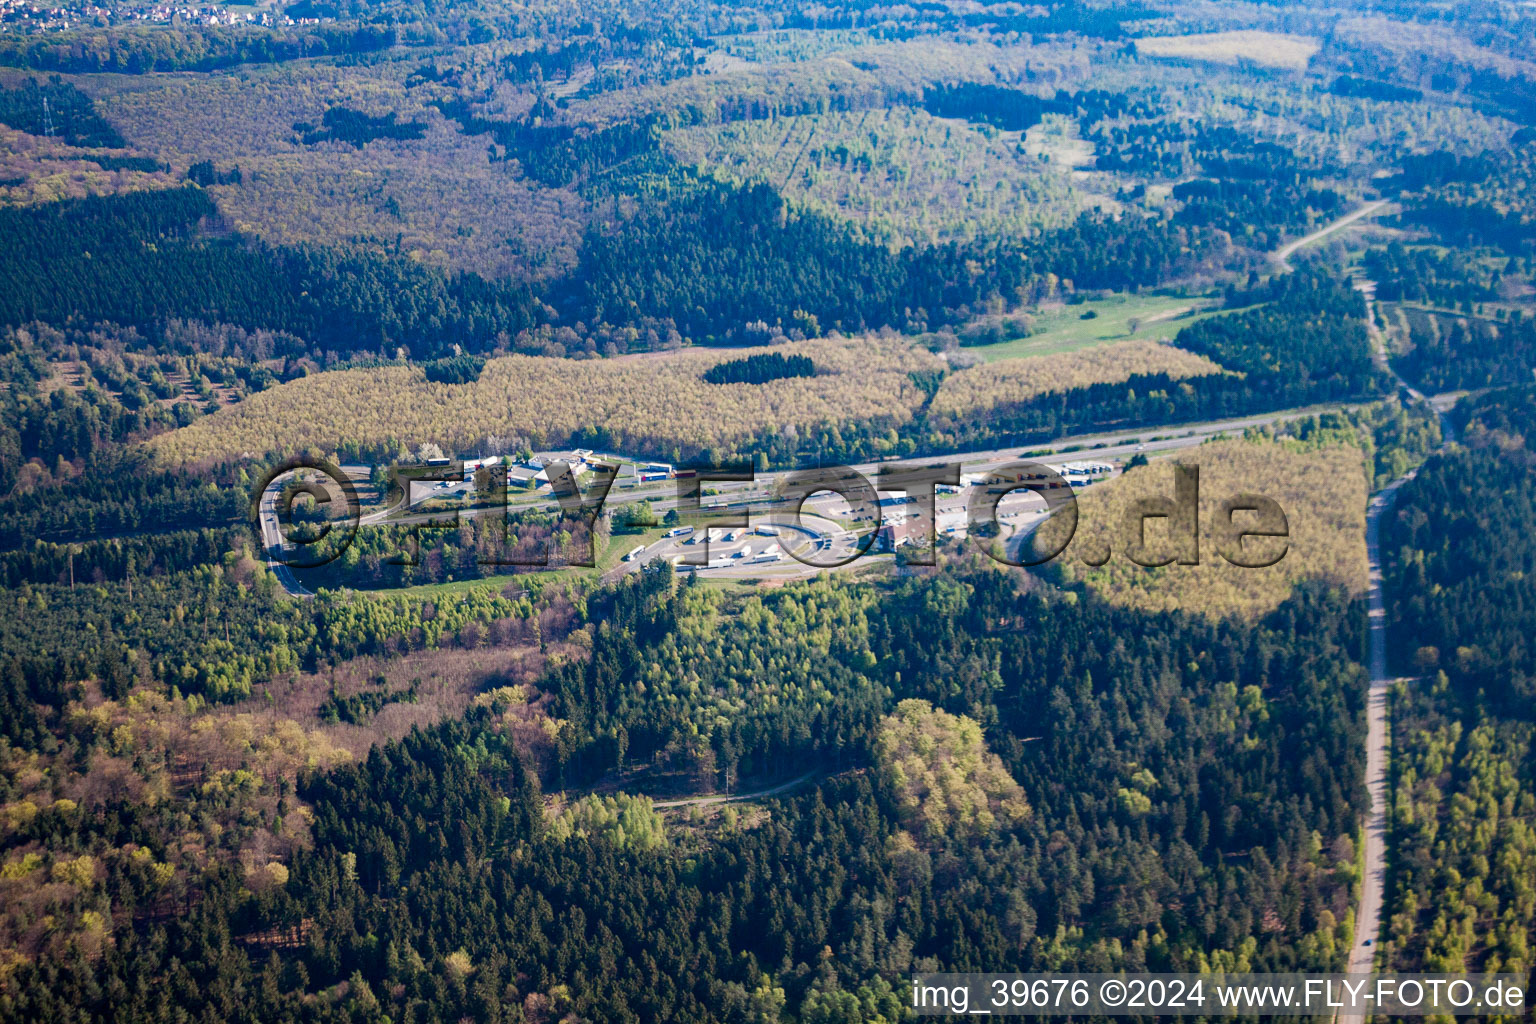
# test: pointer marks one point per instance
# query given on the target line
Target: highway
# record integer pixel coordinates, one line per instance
(1019, 512)
(273, 543)
(1362, 954)
(1087, 446)
(825, 529)
(1118, 445)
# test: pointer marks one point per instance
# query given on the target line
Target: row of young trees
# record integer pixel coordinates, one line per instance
(64, 427)
(1297, 340)
(51, 431)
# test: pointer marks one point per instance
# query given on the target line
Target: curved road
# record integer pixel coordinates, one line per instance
(699, 801)
(1282, 255)
(274, 544)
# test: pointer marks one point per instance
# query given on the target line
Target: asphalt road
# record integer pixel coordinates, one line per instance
(819, 529)
(756, 493)
(1282, 255)
(273, 543)
(1362, 955)
(1102, 446)
(1084, 447)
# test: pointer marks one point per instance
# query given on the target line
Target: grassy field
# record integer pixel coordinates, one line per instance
(621, 544)
(1064, 328)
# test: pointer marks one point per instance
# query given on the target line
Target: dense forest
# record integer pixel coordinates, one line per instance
(137, 51)
(715, 259)
(1292, 341)
(128, 388)
(760, 369)
(1449, 279)
(1206, 764)
(122, 493)
(1478, 200)
(356, 128)
(136, 259)
(1469, 352)
(56, 108)
(1461, 523)
(218, 628)
(471, 769)
(710, 261)
(481, 547)
(1459, 563)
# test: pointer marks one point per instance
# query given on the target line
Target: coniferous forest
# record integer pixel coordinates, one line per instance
(378, 283)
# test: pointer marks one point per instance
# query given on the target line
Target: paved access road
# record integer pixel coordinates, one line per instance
(1282, 255)
(1362, 955)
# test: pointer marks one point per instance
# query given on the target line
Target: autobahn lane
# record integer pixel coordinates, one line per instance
(274, 544)
(757, 496)
(1055, 453)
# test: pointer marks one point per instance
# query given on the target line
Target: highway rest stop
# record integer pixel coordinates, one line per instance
(921, 484)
